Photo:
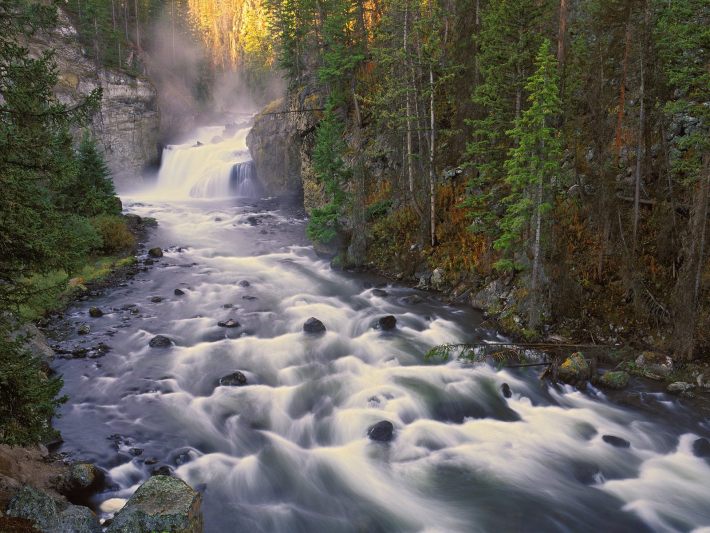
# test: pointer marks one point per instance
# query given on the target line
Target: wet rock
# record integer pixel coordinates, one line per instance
(249, 297)
(505, 389)
(230, 323)
(162, 503)
(155, 252)
(654, 365)
(380, 293)
(701, 447)
(412, 299)
(156, 299)
(163, 470)
(83, 329)
(150, 461)
(135, 452)
(313, 326)
(679, 387)
(574, 369)
(615, 441)
(228, 306)
(253, 221)
(383, 431)
(148, 262)
(95, 312)
(160, 341)
(79, 352)
(84, 479)
(179, 292)
(387, 323)
(244, 283)
(235, 379)
(614, 380)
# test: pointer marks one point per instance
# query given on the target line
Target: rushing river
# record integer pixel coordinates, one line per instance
(289, 450)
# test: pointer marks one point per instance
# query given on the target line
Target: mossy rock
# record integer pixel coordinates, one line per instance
(614, 380)
(162, 503)
(574, 369)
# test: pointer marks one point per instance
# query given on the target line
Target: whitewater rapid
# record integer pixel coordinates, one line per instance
(289, 451)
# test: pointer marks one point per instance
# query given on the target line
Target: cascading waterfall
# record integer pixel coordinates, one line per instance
(212, 163)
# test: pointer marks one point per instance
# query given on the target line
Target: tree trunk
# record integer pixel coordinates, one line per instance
(138, 30)
(639, 156)
(622, 92)
(432, 172)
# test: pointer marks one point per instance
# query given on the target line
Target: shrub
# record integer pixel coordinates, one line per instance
(114, 233)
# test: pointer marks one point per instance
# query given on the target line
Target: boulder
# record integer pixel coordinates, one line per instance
(235, 379)
(701, 447)
(160, 341)
(387, 323)
(383, 431)
(615, 441)
(162, 503)
(614, 379)
(490, 297)
(313, 326)
(35, 505)
(78, 519)
(179, 292)
(95, 312)
(574, 369)
(163, 470)
(437, 280)
(83, 329)
(230, 323)
(654, 365)
(83, 480)
(505, 389)
(679, 387)
(155, 252)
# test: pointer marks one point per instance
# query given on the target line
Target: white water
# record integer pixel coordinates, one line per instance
(289, 451)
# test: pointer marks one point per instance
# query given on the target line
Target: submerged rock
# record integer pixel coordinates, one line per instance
(380, 293)
(155, 252)
(615, 441)
(313, 326)
(701, 447)
(162, 503)
(95, 312)
(156, 299)
(505, 389)
(383, 431)
(230, 323)
(412, 299)
(235, 379)
(179, 292)
(614, 379)
(574, 369)
(163, 470)
(84, 329)
(387, 323)
(160, 341)
(244, 283)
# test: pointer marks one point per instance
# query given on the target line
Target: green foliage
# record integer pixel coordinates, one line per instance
(115, 236)
(28, 397)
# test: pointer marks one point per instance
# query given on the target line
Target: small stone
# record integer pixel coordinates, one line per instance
(387, 323)
(505, 389)
(701, 447)
(163, 470)
(380, 293)
(614, 380)
(148, 262)
(244, 283)
(160, 341)
(150, 461)
(135, 452)
(252, 221)
(155, 252)
(95, 312)
(383, 431)
(156, 299)
(179, 292)
(235, 379)
(617, 442)
(313, 326)
(679, 387)
(84, 329)
(249, 297)
(231, 323)
(228, 306)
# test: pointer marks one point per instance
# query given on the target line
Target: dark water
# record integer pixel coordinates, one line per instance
(288, 452)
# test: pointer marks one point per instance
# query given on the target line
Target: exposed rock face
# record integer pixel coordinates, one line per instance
(127, 125)
(281, 146)
(162, 503)
(50, 515)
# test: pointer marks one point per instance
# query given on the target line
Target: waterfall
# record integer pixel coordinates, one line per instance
(213, 163)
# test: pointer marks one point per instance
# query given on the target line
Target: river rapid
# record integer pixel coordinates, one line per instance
(289, 451)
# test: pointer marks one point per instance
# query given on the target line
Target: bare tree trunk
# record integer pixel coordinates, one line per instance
(639, 157)
(622, 92)
(118, 41)
(358, 245)
(432, 172)
(408, 107)
(138, 29)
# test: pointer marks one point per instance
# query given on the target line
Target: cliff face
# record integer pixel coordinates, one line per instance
(281, 146)
(127, 124)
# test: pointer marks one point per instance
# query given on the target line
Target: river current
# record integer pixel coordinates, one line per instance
(289, 450)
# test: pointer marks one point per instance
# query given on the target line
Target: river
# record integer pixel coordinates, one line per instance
(289, 450)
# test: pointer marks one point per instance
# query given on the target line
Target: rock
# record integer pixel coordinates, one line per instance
(249, 297)
(617, 442)
(313, 326)
(437, 279)
(679, 387)
(163, 470)
(574, 369)
(95, 312)
(235, 379)
(654, 365)
(179, 292)
(162, 503)
(155, 252)
(253, 221)
(614, 380)
(156, 299)
(84, 479)
(505, 389)
(244, 283)
(83, 329)
(37, 506)
(135, 452)
(148, 262)
(230, 323)
(78, 519)
(383, 431)
(151, 461)
(387, 323)
(701, 447)
(489, 298)
(160, 341)
(380, 293)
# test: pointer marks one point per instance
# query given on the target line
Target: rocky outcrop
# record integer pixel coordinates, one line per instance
(281, 144)
(127, 124)
(50, 515)
(162, 503)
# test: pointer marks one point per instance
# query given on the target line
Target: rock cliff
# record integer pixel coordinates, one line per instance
(127, 124)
